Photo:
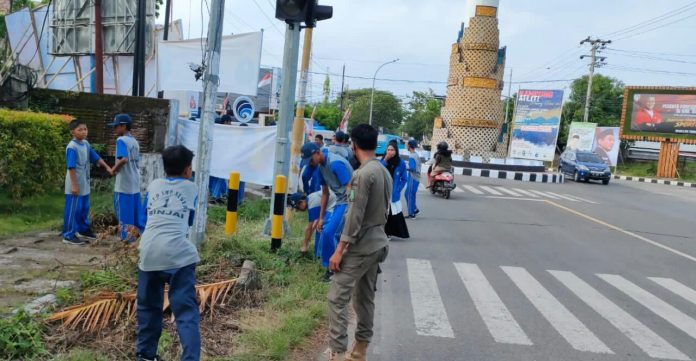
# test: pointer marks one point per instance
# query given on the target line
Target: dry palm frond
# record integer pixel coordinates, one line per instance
(109, 308)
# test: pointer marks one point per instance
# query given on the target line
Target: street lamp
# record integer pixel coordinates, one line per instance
(372, 98)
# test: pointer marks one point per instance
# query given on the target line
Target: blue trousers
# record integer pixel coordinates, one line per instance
(182, 300)
(219, 186)
(75, 215)
(318, 247)
(411, 190)
(128, 211)
(333, 226)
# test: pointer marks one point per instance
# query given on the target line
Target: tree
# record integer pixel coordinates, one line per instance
(423, 109)
(605, 104)
(328, 115)
(387, 109)
(510, 107)
(326, 88)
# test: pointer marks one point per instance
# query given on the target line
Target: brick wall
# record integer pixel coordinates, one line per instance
(149, 115)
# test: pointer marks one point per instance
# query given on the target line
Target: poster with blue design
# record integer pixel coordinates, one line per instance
(536, 124)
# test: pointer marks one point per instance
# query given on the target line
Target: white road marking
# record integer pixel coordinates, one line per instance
(421, 188)
(661, 308)
(562, 196)
(505, 190)
(495, 315)
(491, 190)
(527, 193)
(676, 287)
(580, 198)
(643, 337)
(516, 198)
(428, 310)
(457, 190)
(572, 330)
(472, 189)
(544, 194)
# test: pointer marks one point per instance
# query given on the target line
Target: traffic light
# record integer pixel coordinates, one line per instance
(307, 11)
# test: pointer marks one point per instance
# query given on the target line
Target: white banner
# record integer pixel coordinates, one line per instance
(240, 60)
(247, 150)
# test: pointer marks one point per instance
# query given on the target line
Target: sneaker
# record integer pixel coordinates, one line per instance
(417, 211)
(74, 241)
(327, 276)
(87, 235)
(413, 216)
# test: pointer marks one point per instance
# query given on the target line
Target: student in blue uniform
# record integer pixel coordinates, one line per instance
(168, 258)
(414, 171)
(335, 172)
(396, 225)
(78, 155)
(127, 202)
(312, 205)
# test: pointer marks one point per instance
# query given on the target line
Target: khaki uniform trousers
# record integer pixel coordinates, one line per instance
(357, 279)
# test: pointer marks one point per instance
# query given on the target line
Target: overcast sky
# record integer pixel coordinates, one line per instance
(653, 40)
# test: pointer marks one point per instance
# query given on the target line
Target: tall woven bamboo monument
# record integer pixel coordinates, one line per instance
(471, 121)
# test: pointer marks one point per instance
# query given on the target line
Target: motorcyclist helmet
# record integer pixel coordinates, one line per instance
(442, 146)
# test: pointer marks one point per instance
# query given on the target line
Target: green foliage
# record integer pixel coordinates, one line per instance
(20, 338)
(65, 296)
(32, 152)
(165, 342)
(605, 104)
(326, 91)
(423, 109)
(510, 106)
(387, 110)
(326, 114)
(83, 355)
(108, 279)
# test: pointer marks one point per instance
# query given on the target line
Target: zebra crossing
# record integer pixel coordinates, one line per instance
(514, 193)
(431, 318)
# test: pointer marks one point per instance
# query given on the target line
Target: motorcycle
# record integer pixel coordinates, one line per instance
(443, 183)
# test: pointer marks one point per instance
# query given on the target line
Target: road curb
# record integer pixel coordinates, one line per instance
(517, 176)
(655, 181)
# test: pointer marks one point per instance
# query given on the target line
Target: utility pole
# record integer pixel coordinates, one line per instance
(138, 88)
(98, 47)
(205, 133)
(165, 37)
(299, 124)
(596, 45)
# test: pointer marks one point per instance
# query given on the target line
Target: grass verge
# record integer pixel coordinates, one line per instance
(686, 170)
(46, 211)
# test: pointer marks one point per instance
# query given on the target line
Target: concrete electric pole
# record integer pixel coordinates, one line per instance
(205, 134)
(596, 45)
(299, 124)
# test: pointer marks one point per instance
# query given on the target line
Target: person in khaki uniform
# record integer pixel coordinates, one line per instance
(363, 246)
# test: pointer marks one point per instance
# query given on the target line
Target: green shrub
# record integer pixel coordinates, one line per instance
(20, 338)
(32, 152)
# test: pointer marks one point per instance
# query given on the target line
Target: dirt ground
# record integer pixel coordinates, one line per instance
(38, 264)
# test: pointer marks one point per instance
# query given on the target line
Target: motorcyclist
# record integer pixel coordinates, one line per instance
(442, 162)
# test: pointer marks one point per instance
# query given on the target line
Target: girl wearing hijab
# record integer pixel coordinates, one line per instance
(396, 224)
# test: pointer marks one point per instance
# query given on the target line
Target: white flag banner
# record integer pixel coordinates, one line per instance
(247, 150)
(240, 60)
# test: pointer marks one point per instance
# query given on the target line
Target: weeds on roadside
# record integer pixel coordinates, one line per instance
(21, 337)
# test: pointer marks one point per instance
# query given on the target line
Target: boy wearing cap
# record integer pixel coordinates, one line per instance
(414, 172)
(312, 204)
(335, 174)
(127, 187)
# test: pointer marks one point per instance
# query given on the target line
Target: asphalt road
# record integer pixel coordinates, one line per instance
(521, 271)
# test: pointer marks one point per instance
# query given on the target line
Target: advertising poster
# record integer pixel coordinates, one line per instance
(664, 113)
(536, 124)
(606, 144)
(581, 136)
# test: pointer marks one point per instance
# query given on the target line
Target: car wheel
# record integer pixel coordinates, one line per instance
(605, 182)
(576, 176)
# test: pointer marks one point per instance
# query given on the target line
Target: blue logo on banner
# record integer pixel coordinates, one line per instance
(243, 109)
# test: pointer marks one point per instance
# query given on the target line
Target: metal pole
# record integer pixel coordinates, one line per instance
(142, 18)
(136, 53)
(167, 10)
(372, 97)
(586, 116)
(205, 134)
(299, 124)
(98, 47)
(287, 103)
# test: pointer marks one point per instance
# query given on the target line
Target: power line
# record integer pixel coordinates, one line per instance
(644, 70)
(657, 27)
(650, 53)
(651, 21)
(268, 18)
(648, 57)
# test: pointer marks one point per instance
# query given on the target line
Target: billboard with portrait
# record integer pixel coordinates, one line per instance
(658, 114)
(536, 123)
(581, 136)
(606, 144)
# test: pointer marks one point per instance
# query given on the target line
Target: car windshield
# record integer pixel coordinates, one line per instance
(589, 158)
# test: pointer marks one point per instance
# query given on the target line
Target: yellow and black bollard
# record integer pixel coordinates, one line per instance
(232, 203)
(278, 208)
